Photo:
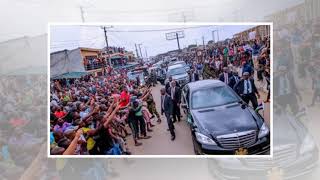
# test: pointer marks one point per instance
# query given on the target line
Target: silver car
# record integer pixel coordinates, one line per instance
(182, 63)
(178, 73)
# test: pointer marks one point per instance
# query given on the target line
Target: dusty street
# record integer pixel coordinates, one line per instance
(160, 143)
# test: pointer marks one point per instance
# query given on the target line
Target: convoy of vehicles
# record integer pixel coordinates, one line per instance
(178, 73)
(221, 122)
(160, 72)
(133, 75)
(182, 63)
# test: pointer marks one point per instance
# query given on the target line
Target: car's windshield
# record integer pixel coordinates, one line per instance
(212, 97)
(175, 71)
(182, 63)
(134, 75)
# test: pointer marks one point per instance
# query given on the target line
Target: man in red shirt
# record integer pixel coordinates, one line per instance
(59, 113)
(124, 97)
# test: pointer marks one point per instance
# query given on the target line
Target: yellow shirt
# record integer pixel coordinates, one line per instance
(90, 141)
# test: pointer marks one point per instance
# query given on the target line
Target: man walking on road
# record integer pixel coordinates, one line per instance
(153, 77)
(234, 79)
(167, 108)
(247, 90)
(175, 94)
(151, 105)
(168, 85)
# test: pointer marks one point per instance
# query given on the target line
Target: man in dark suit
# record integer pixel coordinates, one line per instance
(234, 79)
(225, 76)
(193, 76)
(168, 85)
(286, 92)
(175, 94)
(167, 109)
(247, 90)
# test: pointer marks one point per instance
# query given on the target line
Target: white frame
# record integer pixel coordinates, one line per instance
(162, 156)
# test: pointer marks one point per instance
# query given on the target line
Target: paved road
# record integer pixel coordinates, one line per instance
(160, 143)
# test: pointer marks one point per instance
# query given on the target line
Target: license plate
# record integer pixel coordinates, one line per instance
(241, 151)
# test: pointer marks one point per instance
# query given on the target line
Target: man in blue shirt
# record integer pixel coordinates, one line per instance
(255, 53)
(246, 67)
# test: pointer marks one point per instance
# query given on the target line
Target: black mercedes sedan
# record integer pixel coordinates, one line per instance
(295, 154)
(221, 122)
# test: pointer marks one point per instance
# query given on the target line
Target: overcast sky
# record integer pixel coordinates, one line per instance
(152, 37)
(30, 17)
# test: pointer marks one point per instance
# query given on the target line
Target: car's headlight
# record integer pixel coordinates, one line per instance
(307, 145)
(204, 139)
(264, 130)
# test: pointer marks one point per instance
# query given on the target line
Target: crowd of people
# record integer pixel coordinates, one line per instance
(23, 107)
(100, 61)
(94, 63)
(92, 115)
(234, 63)
(96, 115)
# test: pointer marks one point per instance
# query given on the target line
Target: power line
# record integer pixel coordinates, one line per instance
(160, 30)
(125, 41)
(156, 30)
(73, 43)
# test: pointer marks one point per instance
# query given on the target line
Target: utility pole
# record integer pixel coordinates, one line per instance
(145, 49)
(107, 44)
(203, 42)
(178, 41)
(136, 50)
(217, 34)
(105, 36)
(213, 39)
(140, 51)
(82, 14)
(176, 35)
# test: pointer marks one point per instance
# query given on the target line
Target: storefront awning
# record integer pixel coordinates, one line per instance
(71, 75)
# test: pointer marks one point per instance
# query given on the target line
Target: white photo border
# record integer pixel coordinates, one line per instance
(160, 24)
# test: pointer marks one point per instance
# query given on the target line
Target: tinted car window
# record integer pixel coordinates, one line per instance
(211, 97)
(176, 71)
